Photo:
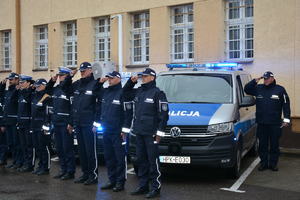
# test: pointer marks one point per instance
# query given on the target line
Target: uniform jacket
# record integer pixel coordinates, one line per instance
(150, 108)
(85, 92)
(10, 106)
(112, 109)
(271, 101)
(24, 107)
(61, 102)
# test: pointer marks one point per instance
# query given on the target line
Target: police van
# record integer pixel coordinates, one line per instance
(211, 119)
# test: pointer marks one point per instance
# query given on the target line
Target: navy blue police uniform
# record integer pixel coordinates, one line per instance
(150, 118)
(3, 145)
(40, 118)
(61, 118)
(10, 120)
(24, 115)
(271, 101)
(85, 93)
(112, 120)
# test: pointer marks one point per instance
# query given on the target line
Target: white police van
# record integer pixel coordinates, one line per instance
(211, 119)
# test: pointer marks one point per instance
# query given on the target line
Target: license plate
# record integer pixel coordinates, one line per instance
(175, 159)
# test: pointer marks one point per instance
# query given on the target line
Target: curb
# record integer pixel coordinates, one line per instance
(292, 151)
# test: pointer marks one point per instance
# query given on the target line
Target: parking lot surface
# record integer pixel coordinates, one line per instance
(180, 182)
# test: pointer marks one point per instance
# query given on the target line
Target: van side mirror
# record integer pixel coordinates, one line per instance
(247, 101)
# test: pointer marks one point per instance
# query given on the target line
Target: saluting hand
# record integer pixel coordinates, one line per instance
(4, 81)
(102, 80)
(54, 78)
(134, 78)
(258, 79)
(73, 72)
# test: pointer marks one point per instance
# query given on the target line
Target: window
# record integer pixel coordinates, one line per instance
(5, 52)
(41, 47)
(140, 38)
(70, 44)
(239, 23)
(102, 39)
(182, 34)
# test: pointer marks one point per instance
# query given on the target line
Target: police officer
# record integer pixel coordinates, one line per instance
(271, 100)
(10, 120)
(85, 91)
(112, 120)
(3, 146)
(149, 122)
(61, 118)
(39, 118)
(24, 115)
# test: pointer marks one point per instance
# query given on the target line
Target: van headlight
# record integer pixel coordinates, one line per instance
(221, 129)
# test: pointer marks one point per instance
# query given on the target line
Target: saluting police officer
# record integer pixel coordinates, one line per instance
(10, 121)
(3, 145)
(271, 100)
(61, 118)
(114, 141)
(149, 122)
(85, 91)
(24, 115)
(39, 118)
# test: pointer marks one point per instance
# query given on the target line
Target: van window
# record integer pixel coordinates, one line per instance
(197, 88)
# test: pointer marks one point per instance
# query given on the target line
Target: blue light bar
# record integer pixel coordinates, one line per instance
(211, 66)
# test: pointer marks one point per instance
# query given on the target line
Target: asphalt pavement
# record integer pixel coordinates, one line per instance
(179, 182)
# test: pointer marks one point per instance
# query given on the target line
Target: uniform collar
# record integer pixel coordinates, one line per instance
(271, 85)
(87, 79)
(114, 87)
(11, 87)
(149, 85)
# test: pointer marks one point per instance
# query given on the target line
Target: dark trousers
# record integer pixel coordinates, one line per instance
(65, 149)
(147, 160)
(26, 146)
(268, 136)
(41, 150)
(13, 144)
(115, 157)
(87, 151)
(3, 146)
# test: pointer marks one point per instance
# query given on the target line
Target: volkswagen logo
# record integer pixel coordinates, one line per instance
(175, 132)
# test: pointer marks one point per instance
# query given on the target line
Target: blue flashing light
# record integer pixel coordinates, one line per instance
(208, 66)
(100, 129)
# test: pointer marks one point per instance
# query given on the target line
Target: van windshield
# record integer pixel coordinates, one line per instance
(197, 88)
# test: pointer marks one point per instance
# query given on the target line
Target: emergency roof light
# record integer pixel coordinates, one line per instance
(208, 66)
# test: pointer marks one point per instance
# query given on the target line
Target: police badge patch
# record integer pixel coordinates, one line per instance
(164, 106)
(128, 105)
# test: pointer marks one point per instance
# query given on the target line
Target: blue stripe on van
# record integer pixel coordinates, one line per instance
(191, 113)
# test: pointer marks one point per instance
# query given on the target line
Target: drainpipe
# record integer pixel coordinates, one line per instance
(120, 40)
(18, 35)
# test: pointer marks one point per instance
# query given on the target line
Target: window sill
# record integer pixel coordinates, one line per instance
(136, 66)
(5, 70)
(241, 61)
(39, 69)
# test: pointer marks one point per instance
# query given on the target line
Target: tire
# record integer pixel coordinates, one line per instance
(254, 150)
(235, 171)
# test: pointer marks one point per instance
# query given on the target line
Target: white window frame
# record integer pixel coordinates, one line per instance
(102, 35)
(141, 35)
(41, 47)
(240, 24)
(185, 30)
(70, 44)
(5, 53)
